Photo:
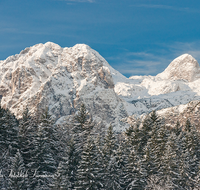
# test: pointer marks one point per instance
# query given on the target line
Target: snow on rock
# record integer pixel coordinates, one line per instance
(181, 113)
(184, 67)
(178, 84)
(60, 78)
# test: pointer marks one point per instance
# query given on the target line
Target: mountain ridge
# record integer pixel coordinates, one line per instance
(62, 78)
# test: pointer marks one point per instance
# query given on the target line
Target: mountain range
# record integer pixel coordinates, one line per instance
(46, 75)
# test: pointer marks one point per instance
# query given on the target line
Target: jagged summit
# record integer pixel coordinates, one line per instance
(184, 67)
(47, 75)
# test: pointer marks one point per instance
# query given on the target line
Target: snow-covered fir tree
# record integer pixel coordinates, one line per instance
(81, 127)
(8, 143)
(148, 155)
(135, 172)
(149, 129)
(73, 163)
(43, 162)
(89, 171)
(169, 167)
(27, 127)
(61, 178)
(18, 177)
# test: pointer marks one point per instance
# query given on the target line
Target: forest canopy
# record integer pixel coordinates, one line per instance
(81, 154)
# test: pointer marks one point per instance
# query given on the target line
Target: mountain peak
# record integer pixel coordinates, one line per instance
(184, 67)
(47, 75)
(52, 45)
(82, 46)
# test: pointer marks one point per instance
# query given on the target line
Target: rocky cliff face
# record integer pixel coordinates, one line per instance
(60, 78)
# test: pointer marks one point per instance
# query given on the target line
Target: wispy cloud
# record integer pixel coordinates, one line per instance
(167, 7)
(80, 1)
(138, 68)
(179, 48)
(9, 46)
(136, 71)
(142, 63)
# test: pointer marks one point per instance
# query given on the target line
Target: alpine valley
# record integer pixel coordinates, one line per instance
(46, 75)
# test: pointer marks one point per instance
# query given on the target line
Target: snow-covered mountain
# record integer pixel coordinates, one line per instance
(177, 84)
(61, 78)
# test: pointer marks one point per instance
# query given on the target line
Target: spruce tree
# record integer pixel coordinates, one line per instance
(188, 126)
(73, 163)
(189, 164)
(110, 143)
(43, 160)
(61, 178)
(8, 142)
(133, 138)
(81, 125)
(24, 122)
(120, 165)
(88, 173)
(148, 161)
(197, 180)
(112, 177)
(135, 172)
(18, 175)
(149, 129)
(26, 128)
(4, 153)
(11, 127)
(169, 167)
(83, 122)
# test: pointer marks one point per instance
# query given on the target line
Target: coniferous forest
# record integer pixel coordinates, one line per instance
(83, 155)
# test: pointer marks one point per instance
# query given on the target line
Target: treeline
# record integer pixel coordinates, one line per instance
(37, 154)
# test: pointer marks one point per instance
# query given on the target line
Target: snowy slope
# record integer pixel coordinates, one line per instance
(61, 78)
(181, 113)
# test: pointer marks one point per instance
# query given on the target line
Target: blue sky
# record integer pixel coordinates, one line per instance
(136, 37)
